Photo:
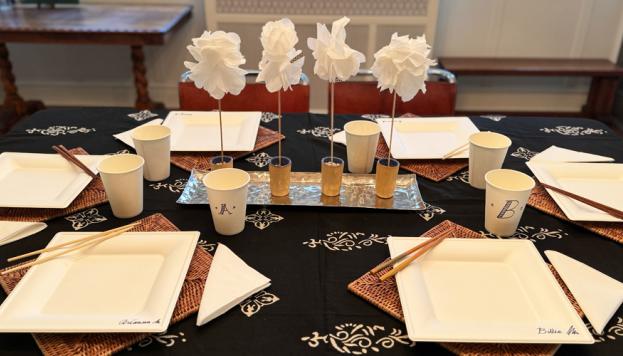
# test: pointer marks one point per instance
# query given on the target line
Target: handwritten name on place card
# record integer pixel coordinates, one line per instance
(549, 331)
(138, 322)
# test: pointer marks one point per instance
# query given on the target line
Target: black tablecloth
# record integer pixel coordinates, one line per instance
(311, 254)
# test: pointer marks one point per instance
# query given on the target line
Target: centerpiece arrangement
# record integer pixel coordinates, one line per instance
(335, 60)
(280, 68)
(402, 68)
(217, 71)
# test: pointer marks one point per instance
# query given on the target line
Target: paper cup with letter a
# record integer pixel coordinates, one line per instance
(227, 194)
(507, 192)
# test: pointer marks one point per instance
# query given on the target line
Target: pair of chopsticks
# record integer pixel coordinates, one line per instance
(70, 246)
(456, 151)
(607, 209)
(61, 150)
(419, 251)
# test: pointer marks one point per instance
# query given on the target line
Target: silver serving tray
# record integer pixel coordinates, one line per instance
(357, 192)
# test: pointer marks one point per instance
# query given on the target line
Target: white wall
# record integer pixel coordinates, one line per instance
(101, 75)
(527, 28)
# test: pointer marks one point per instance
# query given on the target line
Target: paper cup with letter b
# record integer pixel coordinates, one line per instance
(505, 200)
(227, 194)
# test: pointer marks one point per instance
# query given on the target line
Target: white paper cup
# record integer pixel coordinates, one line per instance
(487, 151)
(153, 143)
(123, 181)
(362, 137)
(505, 200)
(227, 194)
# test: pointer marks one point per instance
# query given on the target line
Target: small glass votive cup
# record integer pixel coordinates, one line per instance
(219, 162)
(279, 169)
(331, 169)
(386, 174)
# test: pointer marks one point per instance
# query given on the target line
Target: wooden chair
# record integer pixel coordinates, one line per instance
(254, 97)
(363, 97)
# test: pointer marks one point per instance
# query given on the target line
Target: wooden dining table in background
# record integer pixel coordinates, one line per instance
(95, 24)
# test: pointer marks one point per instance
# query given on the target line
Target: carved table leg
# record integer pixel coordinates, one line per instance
(143, 101)
(600, 101)
(14, 106)
(12, 100)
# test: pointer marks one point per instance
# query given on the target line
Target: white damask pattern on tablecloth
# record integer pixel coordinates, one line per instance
(142, 115)
(574, 130)
(460, 177)
(524, 153)
(263, 218)
(85, 218)
(430, 212)
(530, 233)
(318, 131)
(611, 333)
(60, 130)
(346, 241)
(261, 159)
(359, 339)
(176, 187)
(165, 339)
(256, 302)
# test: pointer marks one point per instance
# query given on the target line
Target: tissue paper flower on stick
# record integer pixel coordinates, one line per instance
(278, 68)
(402, 66)
(218, 57)
(334, 58)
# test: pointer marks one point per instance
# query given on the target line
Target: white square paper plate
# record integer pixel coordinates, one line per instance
(199, 130)
(600, 182)
(38, 180)
(427, 137)
(126, 136)
(484, 290)
(129, 283)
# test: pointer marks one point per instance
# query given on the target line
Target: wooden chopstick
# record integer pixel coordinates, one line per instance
(456, 151)
(400, 257)
(408, 261)
(83, 244)
(61, 150)
(607, 209)
(80, 241)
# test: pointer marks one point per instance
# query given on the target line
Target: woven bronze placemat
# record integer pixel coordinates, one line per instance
(201, 160)
(91, 196)
(107, 344)
(541, 200)
(433, 169)
(384, 295)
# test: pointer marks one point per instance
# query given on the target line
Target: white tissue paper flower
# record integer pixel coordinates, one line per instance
(403, 65)
(277, 67)
(334, 59)
(218, 59)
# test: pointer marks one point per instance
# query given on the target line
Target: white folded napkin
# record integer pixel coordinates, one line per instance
(559, 154)
(229, 282)
(126, 136)
(15, 230)
(598, 295)
(340, 137)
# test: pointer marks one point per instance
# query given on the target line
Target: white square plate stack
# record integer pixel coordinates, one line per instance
(38, 180)
(129, 283)
(427, 138)
(600, 182)
(484, 290)
(199, 130)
